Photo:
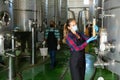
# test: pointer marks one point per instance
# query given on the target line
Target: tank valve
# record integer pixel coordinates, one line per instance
(110, 47)
(106, 45)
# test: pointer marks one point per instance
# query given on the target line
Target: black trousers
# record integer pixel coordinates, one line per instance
(77, 65)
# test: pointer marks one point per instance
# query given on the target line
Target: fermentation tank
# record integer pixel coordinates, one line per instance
(24, 10)
(110, 17)
(98, 12)
(83, 19)
(112, 24)
(54, 10)
(6, 24)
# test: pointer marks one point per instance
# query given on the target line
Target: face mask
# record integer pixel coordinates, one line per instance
(75, 28)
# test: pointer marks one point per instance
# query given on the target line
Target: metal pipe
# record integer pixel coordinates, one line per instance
(38, 2)
(1, 45)
(13, 44)
(101, 64)
(79, 7)
(10, 74)
(94, 23)
(10, 68)
(112, 8)
(60, 5)
(55, 11)
(72, 12)
(33, 45)
(46, 10)
(109, 15)
(11, 60)
(102, 13)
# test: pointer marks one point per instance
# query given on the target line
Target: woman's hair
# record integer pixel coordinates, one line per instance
(66, 25)
(69, 21)
(66, 30)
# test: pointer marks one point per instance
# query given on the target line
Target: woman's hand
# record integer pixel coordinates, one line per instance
(96, 28)
(91, 39)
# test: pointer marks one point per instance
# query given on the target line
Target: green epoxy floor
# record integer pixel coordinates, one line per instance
(42, 70)
(107, 75)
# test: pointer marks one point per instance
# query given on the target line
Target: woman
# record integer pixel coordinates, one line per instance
(77, 43)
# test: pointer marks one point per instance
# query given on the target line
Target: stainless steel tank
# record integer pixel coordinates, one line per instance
(54, 10)
(95, 10)
(24, 11)
(44, 12)
(112, 24)
(6, 23)
(83, 19)
(98, 10)
(62, 11)
(6, 15)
